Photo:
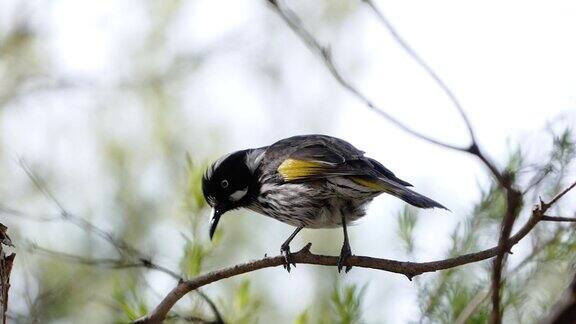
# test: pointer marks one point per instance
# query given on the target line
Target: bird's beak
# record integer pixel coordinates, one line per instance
(217, 211)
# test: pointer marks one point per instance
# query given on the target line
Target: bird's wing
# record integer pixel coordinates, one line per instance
(318, 157)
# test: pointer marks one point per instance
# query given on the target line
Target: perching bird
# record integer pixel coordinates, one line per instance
(309, 181)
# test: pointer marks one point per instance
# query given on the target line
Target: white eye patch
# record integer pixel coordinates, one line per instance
(238, 194)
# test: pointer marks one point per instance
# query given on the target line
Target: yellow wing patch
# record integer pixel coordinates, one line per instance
(369, 183)
(292, 169)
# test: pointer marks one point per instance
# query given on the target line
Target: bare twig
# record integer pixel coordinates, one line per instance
(558, 196)
(293, 21)
(121, 246)
(130, 256)
(219, 319)
(111, 263)
(558, 219)
(420, 61)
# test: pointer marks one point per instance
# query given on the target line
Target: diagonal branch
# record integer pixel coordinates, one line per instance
(112, 263)
(558, 219)
(427, 68)
(121, 246)
(558, 196)
(293, 21)
(137, 258)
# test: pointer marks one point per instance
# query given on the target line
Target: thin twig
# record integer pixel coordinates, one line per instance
(427, 68)
(123, 248)
(219, 319)
(558, 196)
(110, 263)
(558, 219)
(293, 21)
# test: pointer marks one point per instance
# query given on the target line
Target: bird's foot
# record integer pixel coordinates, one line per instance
(285, 251)
(345, 252)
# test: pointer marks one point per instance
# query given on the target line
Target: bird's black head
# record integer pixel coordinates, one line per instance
(226, 185)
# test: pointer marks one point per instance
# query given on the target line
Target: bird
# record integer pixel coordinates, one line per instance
(307, 181)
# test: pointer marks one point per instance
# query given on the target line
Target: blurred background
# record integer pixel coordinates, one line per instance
(111, 110)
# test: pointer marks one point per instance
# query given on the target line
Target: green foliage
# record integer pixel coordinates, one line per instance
(244, 305)
(406, 223)
(194, 198)
(462, 294)
(128, 299)
(346, 304)
(191, 262)
(564, 147)
(302, 318)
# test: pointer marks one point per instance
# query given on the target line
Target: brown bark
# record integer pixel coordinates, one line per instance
(6, 261)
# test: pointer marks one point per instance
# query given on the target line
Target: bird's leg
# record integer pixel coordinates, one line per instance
(345, 252)
(285, 248)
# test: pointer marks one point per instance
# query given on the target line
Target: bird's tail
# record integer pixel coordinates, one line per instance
(416, 199)
(409, 196)
(399, 190)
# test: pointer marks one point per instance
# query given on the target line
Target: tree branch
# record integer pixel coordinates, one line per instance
(481, 296)
(514, 203)
(6, 262)
(513, 207)
(293, 21)
(111, 263)
(304, 256)
(558, 219)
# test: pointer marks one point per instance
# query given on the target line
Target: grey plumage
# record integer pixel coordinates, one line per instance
(320, 200)
(309, 181)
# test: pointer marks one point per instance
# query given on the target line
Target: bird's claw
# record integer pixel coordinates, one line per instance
(345, 252)
(285, 251)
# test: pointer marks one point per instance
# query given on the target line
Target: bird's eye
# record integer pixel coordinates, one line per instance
(224, 183)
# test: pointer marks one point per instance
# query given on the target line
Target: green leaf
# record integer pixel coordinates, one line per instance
(346, 304)
(191, 262)
(302, 318)
(406, 224)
